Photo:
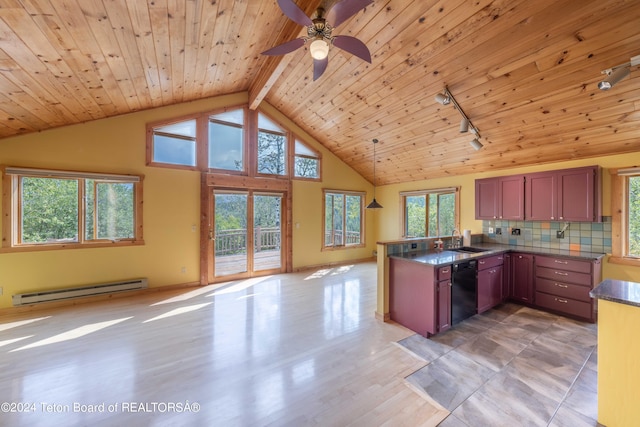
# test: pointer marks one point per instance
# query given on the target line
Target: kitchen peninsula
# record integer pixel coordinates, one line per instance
(417, 286)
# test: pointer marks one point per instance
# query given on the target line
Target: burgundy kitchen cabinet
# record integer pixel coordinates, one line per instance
(489, 291)
(420, 296)
(522, 278)
(500, 198)
(564, 195)
(563, 285)
(506, 277)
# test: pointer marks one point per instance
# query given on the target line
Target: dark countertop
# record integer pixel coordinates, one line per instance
(618, 291)
(445, 257)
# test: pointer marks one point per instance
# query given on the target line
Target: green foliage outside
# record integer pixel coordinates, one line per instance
(50, 210)
(342, 213)
(634, 216)
(441, 218)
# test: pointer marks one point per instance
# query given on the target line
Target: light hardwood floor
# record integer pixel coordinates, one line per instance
(294, 349)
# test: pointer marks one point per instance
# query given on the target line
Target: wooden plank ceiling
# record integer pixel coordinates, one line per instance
(525, 72)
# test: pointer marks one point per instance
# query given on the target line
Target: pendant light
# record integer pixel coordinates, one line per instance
(374, 204)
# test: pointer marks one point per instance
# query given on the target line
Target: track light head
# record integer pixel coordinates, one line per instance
(476, 144)
(443, 99)
(613, 77)
(464, 125)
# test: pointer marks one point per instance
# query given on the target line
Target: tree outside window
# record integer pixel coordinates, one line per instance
(430, 213)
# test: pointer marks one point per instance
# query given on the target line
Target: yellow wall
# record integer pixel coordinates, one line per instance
(171, 205)
(618, 364)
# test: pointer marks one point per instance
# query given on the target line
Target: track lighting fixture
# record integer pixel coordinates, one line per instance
(443, 98)
(476, 144)
(374, 203)
(617, 73)
(465, 124)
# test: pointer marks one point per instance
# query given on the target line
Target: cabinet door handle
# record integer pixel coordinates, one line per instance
(560, 273)
(560, 285)
(563, 301)
(519, 256)
(557, 261)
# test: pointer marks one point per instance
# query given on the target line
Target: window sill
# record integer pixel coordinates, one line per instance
(624, 261)
(64, 246)
(339, 248)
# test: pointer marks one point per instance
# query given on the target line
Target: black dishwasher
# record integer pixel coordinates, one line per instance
(463, 291)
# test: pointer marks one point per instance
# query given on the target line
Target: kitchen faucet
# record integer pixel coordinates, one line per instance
(455, 243)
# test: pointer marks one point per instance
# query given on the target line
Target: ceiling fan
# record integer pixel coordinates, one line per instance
(319, 32)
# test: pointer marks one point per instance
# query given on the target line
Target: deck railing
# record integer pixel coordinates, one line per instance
(353, 237)
(231, 242)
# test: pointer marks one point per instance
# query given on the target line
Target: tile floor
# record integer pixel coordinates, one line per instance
(511, 366)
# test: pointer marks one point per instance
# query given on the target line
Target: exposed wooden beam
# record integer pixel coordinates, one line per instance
(273, 66)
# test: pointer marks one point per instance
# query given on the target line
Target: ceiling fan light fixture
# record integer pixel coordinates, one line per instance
(464, 125)
(319, 49)
(443, 99)
(476, 144)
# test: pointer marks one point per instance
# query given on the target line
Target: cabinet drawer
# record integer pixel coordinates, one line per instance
(444, 273)
(561, 289)
(490, 261)
(564, 305)
(564, 276)
(564, 264)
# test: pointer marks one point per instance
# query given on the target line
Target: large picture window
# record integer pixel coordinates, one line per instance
(343, 219)
(226, 140)
(429, 213)
(54, 208)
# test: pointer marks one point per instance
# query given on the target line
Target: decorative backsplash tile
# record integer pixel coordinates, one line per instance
(578, 236)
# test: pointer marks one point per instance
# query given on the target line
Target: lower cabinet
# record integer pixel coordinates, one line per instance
(521, 280)
(420, 296)
(563, 285)
(490, 282)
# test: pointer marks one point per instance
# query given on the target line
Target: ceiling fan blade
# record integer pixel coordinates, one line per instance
(294, 13)
(286, 47)
(353, 46)
(319, 65)
(344, 10)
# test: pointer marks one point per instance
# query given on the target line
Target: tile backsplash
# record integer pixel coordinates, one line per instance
(578, 236)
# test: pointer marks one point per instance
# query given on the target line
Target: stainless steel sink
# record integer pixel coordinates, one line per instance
(468, 249)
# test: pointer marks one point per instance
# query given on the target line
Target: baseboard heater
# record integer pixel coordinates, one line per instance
(68, 293)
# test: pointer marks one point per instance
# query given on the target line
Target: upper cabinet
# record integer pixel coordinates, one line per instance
(561, 195)
(500, 198)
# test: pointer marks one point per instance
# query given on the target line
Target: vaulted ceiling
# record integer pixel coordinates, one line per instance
(525, 73)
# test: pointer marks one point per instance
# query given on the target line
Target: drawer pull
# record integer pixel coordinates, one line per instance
(444, 271)
(563, 301)
(481, 262)
(560, 273)
(557, 261)
(560, 285)
(492, 271)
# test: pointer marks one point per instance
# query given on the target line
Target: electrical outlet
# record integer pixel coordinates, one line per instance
(183, 270)
(490, 230)
(0, 290)
(560, 234)
(515, 231)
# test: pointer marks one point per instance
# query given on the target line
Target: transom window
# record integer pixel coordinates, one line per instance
(53, 208)
(306, 161)
(272, 147)
(219, 142)
(343, 219)
(175, 144)
(429, 213)
(226, 140)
